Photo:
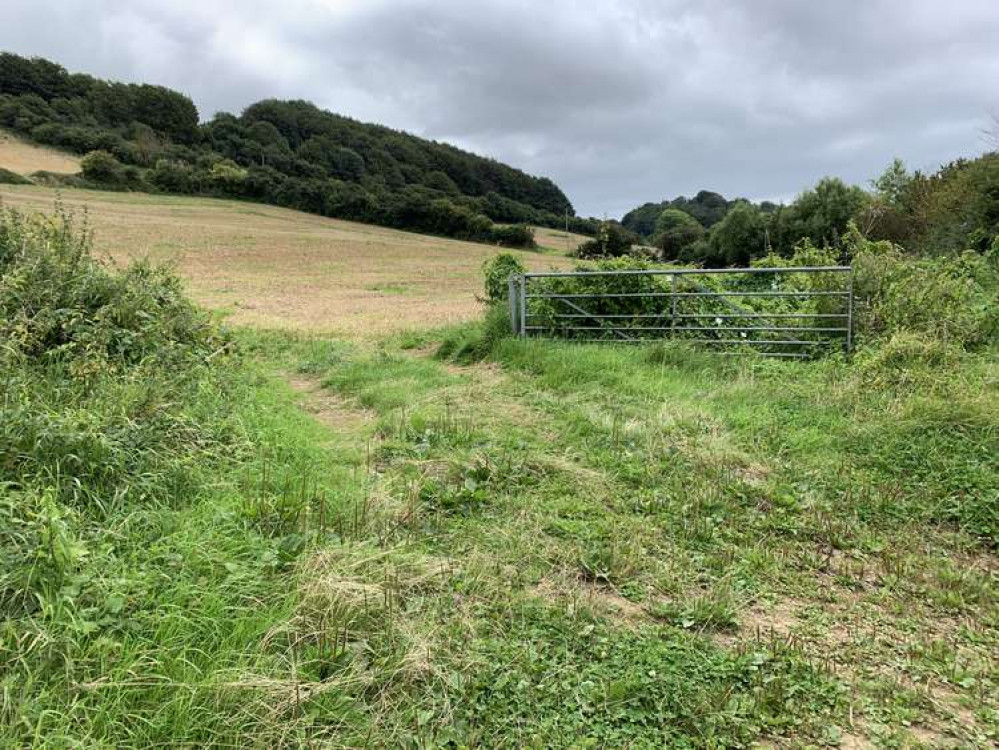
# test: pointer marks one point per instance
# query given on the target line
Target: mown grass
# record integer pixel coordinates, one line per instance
(621, 521)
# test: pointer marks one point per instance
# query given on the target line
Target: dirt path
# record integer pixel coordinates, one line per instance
(326, 406)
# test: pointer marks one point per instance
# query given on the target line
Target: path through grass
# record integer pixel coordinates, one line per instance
(613, 546)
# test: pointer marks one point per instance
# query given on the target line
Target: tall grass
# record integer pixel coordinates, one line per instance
(155, 493)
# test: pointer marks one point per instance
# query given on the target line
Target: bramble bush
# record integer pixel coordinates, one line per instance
(497, 272)
(954, 298)
(111, 380)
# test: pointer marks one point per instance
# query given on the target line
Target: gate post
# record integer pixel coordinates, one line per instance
(514, 302)
(672, 305)
(849, 312)
(523, 305)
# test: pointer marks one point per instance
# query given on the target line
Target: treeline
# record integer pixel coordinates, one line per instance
(289, 153)
(953, 209)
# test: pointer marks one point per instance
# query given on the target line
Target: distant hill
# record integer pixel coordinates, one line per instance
(289, 153)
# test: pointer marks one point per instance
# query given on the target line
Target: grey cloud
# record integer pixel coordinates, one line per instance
(619, 102)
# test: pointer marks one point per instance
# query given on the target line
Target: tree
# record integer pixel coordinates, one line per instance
(707, 207)
(739, 237)
(892, 185)
(642, 220)
(440, 181)
(823, 213)
(612, 241)
(675, 231)
(165, 111)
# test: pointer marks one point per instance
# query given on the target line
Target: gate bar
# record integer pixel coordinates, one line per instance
(688, 271)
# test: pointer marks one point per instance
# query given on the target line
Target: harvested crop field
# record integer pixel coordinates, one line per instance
(276, 268)
(24, 158)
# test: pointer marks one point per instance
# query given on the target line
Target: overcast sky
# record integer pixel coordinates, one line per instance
(619, 101)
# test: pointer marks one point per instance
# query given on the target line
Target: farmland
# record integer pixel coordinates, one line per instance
(23, 158)
(276, 268)
(331, 526)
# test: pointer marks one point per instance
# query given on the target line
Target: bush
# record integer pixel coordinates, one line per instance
(58, 305)
(12, 178)
(612, 241)
(513, 236)
(103, 375)
(100, 166)
(497, 271)
(174, 177)
(952, 298)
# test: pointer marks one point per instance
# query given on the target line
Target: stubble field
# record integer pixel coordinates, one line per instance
(271, 267)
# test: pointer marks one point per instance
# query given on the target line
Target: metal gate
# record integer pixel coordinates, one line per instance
(794, 312)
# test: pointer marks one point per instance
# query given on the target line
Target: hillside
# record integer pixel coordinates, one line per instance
(288, 153)
(277, 268)
(23, 158)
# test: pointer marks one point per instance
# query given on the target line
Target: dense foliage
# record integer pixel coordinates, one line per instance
(289, 153)
(612, 240)
(947, 212)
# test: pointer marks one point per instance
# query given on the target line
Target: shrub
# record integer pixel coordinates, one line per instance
(103, 375)
(60, 305)
(174, 177)
(227, 176)
(12, 178)
(953, 298)
(517, 235)
(497, 271)
(100, 166)
(612, 241)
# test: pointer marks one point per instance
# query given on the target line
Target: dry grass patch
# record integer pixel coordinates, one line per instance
(24, 158)
(277, 268)
(558, 240)
(574, 593)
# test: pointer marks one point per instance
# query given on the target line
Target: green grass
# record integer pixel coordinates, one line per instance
(262, 539)
(616, 520)
(570, 547)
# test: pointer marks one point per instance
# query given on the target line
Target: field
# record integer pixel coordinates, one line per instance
(24, 158)
(276, 268)
(339, 530)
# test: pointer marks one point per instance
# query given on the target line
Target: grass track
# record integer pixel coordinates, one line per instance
(636, 551)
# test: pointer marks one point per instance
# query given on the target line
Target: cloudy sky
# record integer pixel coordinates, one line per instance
(619, 101)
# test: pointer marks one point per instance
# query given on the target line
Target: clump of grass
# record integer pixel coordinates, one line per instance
(475, 341)
(712, 610)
